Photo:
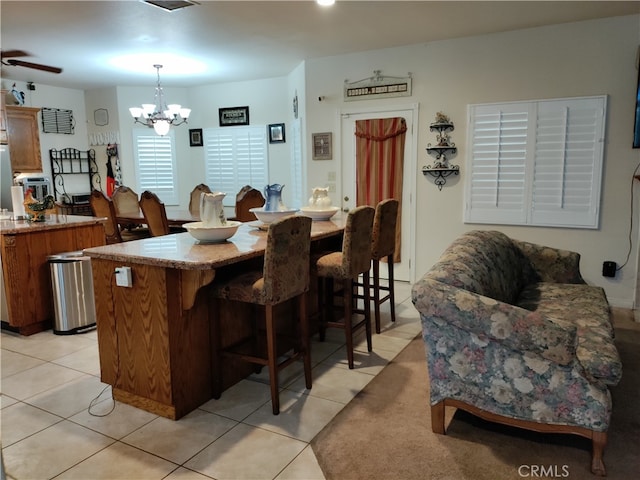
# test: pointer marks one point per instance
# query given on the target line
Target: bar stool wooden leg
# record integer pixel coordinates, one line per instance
(322, 325)
(272, 357)
(376, 293)
(392, 296)
(304, 339)
(367, 309)
(348, 324)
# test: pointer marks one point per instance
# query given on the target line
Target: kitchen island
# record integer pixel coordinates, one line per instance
(155, 335)
(25, 248)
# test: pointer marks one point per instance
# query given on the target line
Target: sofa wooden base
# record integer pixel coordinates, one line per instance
(598, 439)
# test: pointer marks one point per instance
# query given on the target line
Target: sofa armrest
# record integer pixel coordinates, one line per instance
(551, 264)
(489, 319)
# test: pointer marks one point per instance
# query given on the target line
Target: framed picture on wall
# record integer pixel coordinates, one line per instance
(322, 146)
(195, 137)
(276, 133)
(233, 116)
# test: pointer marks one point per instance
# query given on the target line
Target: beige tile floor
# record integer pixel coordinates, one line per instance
(59, 421)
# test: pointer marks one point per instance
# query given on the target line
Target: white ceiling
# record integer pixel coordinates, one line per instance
(244, 40)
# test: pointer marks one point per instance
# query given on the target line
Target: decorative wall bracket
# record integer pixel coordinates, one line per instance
(378, 86)
(440, 174)
(441, 169)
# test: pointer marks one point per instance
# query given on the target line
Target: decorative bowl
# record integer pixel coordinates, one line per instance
(212, 234)
(318, 215)
(268, 217)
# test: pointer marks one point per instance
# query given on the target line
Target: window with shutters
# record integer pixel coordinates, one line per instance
(536, 163)
(235, 157)
(155, 163)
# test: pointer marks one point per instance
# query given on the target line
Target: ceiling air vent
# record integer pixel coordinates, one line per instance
(171, 5)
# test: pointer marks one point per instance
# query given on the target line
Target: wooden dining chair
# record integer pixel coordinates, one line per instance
(102, 206)
(194, 198)
(346, 266)
(155, 215)
(125, 199)
(247, 198)
(284, 276)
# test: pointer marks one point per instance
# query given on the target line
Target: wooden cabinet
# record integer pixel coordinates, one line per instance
(24, 138)
(3, 119)
(25, 248)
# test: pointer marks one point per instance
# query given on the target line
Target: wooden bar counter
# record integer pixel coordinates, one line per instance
(155, 336)
(26, 247)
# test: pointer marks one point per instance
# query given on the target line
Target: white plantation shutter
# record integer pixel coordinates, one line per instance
(155, 164)
(235, 157)
(499, 138)
(568, 162)
(536, 163)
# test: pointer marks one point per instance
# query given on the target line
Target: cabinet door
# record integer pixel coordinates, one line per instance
(24, 139)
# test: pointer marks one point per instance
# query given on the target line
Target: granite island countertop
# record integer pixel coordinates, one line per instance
(53, 222)
(181, 250)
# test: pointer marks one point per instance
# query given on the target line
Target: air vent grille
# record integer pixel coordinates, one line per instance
(171, 5)
(55, 120)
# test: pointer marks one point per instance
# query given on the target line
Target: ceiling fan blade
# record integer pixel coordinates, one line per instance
(35, 66)
(13, 53)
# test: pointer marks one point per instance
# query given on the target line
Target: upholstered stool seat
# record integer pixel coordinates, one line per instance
(345, 266)
(285, 276)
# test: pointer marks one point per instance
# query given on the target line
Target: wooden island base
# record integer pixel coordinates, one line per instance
(156, 337)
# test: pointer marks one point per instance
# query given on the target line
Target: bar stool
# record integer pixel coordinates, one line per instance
(285, 275)
(384, 246)
(346, 266)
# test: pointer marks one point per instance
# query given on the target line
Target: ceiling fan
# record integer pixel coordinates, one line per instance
(10, 60)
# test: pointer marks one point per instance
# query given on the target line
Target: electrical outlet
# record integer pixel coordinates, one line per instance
(123, 277)
(609, 269)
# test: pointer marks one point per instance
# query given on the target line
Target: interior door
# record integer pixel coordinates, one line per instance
(403, 271)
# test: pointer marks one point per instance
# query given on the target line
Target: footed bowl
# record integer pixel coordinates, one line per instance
(268, 217)
(319, 214)
(212, 234)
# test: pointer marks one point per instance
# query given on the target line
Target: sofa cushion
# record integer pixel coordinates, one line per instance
(586, 307)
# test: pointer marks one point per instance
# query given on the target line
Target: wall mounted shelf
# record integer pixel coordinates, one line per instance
(440, 174)
(441, 169)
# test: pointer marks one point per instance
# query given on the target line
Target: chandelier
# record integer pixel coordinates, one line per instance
(160, 116)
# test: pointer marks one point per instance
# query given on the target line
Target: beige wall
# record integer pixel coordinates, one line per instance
(580, 59)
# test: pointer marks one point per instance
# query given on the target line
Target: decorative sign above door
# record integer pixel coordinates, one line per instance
(378, 86)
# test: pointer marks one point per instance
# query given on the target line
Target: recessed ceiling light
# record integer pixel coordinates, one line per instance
(326, 3)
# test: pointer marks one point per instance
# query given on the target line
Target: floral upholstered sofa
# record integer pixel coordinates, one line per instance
(515, 335)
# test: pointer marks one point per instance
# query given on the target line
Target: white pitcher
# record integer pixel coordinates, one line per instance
(211, 209)
(320, 199)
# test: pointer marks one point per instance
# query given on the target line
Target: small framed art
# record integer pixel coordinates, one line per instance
(233, 116)
(195, 137)
(322, 146)
(276, 133)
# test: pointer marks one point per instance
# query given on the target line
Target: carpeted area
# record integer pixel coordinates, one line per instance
(385, 431)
